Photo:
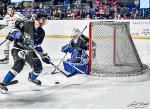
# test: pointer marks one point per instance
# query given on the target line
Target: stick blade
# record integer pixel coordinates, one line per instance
(72, 74)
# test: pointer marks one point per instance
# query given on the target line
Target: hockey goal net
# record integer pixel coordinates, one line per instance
(115, 53)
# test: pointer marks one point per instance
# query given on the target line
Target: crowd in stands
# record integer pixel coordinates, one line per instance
(81, 9)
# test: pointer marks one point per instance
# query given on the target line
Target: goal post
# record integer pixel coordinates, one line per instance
(115, 53)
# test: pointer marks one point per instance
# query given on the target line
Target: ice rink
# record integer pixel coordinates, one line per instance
(79, 91)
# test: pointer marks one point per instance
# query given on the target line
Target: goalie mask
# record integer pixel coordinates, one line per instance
(76, 32)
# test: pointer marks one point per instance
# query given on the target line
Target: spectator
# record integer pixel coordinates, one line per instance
(55, 15)
(77, 9)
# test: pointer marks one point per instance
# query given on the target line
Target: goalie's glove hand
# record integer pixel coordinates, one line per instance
(45, 58)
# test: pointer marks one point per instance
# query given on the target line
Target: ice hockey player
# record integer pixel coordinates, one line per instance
(77, 47)
(9, 20)
(24, 50)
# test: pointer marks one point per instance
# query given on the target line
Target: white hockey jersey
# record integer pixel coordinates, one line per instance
(10, 21)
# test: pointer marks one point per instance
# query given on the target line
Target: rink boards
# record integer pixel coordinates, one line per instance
(139, 29)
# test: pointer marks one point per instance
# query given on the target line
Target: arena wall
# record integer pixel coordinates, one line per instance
(139, 29)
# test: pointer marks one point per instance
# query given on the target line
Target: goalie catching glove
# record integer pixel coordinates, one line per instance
(45, 58)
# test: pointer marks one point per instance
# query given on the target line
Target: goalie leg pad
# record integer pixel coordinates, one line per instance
(68, 66)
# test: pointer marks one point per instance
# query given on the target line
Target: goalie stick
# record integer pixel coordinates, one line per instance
(53, 72)
(77, 69)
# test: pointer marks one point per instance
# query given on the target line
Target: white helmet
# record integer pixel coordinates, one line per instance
(76, 32)
(10, 7)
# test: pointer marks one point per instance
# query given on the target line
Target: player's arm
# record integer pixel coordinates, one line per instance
(5, 20)
(38, 42)
(44, 56)
(20, 16)
(39, 49)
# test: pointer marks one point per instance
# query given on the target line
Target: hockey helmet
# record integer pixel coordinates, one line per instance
(76, 32)
(40, 15)
(10, 10)
(10, 7)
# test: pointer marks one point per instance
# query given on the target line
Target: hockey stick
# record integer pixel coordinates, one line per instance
(84, 29)
(1, 27)
(3, 42)
(70, 75)
(53, 72)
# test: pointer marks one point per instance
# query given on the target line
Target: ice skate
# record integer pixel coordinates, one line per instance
(4, 60)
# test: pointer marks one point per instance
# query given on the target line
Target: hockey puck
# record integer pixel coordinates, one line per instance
(56, 82)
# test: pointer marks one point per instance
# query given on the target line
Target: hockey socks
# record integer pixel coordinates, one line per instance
(32, 78)
(7, 81)
(8, 78)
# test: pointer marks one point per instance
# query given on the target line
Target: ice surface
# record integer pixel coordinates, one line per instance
(79, 91)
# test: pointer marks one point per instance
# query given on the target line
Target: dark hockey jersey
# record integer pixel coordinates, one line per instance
(36, 40)
(82, 43)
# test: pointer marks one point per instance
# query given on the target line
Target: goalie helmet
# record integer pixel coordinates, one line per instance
(76, 32)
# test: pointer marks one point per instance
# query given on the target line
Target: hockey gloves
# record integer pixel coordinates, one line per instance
(46, 58)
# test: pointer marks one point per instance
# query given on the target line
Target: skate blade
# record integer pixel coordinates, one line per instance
(3, 89)
(4, 62)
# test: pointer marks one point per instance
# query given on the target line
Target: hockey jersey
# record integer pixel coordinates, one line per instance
(10, 21)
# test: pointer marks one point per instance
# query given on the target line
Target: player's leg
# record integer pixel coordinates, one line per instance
(17, 67)
(5, 59)
(36, 65)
